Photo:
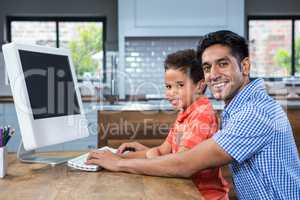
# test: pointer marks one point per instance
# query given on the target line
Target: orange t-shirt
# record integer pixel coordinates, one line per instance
(192, 126)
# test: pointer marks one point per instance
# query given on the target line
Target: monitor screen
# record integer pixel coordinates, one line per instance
(49, 83)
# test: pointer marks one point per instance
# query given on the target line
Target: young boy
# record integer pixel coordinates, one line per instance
(196, 121)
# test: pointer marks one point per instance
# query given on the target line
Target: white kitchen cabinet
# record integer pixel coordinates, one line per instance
(179, 18)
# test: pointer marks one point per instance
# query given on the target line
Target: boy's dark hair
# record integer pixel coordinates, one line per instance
(186, 61)
(237, 44)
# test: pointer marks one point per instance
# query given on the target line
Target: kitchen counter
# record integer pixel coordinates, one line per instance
(6, 99)
(145, 106)
(96, 104)
(9, 99)
(163, 105)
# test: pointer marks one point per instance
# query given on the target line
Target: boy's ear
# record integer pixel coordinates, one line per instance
(201, 86)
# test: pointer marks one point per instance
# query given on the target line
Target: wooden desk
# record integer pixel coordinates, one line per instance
(40, 182)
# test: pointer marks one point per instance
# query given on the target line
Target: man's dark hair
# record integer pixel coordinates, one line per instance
(186, 61)
(237, 44)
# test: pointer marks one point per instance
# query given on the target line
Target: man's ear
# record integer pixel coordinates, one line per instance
(246, 65)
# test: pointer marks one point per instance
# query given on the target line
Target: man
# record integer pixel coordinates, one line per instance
(255, 138)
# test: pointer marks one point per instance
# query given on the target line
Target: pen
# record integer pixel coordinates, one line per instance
(9, 134)
(12, 132)
(7, 130)
(4, 135)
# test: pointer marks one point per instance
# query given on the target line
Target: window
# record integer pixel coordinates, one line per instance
(83, 36)
(297, 47)
(274, 44)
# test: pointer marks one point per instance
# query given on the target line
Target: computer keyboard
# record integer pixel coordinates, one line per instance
(79, 162)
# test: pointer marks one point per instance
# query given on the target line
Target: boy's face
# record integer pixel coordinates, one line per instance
(223, 73)
(181, 91)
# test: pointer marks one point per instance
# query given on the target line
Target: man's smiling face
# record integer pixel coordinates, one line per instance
(223, 73)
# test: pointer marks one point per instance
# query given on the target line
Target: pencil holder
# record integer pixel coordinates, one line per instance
(3, 161)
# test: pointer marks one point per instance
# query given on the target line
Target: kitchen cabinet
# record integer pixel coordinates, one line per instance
(179, 18)
(147, 127)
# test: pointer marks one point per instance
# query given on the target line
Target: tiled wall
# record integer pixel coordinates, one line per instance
(144, 57)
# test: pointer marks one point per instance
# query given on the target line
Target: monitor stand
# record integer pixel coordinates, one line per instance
(31, 157)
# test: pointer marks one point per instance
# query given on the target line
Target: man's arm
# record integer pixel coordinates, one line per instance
(208, 154)
(205, 155)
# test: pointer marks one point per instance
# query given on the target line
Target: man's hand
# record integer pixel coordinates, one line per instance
(131, 146)
(105, 159)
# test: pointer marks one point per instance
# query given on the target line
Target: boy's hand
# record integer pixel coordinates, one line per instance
(105, 159)
(131, 146)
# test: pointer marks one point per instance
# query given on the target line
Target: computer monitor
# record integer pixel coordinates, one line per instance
(46, 95)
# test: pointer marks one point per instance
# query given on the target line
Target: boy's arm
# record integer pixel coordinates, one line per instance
(135, 154)
(163, 149)
(135, 146)
(134, 150)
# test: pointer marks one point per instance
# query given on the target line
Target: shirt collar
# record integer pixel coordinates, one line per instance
(243, 95)
(184, 114)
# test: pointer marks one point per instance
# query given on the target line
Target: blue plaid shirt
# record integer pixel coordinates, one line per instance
(257, 134)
